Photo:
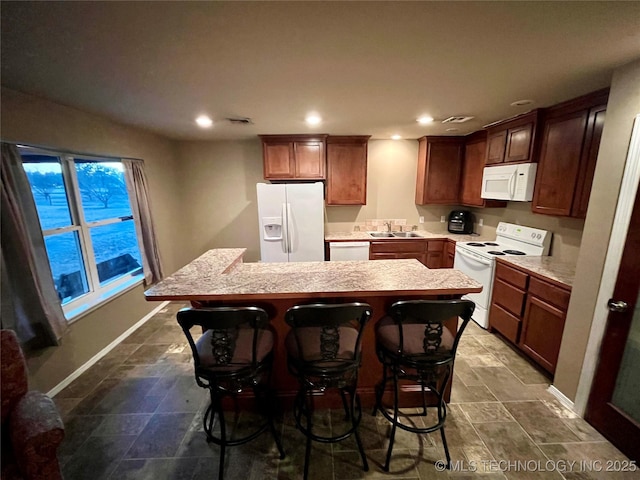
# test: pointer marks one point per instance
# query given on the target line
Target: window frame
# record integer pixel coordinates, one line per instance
(97, 294)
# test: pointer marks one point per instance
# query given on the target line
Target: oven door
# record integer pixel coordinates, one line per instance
(481, 270)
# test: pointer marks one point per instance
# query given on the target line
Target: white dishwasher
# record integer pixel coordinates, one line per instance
(348, 251)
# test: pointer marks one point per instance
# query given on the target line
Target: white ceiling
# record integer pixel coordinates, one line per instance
(365, 67)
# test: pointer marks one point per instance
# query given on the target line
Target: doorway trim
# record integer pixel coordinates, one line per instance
(626, 199)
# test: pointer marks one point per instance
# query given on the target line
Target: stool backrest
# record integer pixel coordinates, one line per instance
(233, 335)
(438, 345)
(327, 335)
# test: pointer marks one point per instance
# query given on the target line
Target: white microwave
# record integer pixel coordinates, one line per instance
(509, 182)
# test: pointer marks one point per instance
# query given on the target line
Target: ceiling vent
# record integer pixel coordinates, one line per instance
(239, 120)
(459, 119)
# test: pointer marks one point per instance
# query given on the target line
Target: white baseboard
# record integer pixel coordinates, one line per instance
(562, 398)
(93, 360)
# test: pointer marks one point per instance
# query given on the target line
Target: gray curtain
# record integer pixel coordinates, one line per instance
(30, 303)
(138, 192)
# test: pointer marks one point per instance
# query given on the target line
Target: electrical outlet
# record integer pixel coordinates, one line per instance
(443, 219)
(421, 220)
(480, 222)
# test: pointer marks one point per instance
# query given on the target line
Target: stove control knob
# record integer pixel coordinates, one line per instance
(539, 236)
(533, 235)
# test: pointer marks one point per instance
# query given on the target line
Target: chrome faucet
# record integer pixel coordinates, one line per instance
(388, 224)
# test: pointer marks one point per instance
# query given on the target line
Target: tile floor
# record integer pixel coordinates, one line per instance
(137, 414)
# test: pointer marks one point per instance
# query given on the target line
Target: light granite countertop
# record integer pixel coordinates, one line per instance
(220, 274)
(364, 237)
(548, 267)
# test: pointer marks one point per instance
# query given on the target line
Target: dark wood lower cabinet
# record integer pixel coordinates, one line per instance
(529, 310)
(432, 253)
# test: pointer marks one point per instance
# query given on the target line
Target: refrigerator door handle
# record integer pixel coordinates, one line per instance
(285, 229)
(290, 229)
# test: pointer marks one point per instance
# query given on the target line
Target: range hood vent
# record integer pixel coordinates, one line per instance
(458, 119)
(239, 120)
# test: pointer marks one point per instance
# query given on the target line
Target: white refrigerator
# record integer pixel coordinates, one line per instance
(291, 217)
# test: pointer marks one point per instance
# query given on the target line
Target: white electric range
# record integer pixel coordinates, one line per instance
(477, 259)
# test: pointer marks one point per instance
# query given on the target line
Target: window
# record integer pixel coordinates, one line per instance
(89, 232)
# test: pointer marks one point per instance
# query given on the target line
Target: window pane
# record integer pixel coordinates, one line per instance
(116, 250)
(47, 185)
(67, 265)
(103, 190)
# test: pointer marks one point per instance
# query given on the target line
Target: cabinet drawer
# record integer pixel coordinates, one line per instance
(399, 246)
(508, 297)
(554, 295)
(504, 322)
(512, 276)
(435, 245)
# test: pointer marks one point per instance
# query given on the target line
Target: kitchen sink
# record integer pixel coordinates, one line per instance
(381, 235)
(395, 235)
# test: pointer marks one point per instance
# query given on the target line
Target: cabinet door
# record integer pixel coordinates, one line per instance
(472, 174)
(439, 170)
(595, 125)
(435, 253)
(496, 144)
(278, 160)
(347, 172)
(518, 145)
(309, 159)
(559, 162)
(542, 329)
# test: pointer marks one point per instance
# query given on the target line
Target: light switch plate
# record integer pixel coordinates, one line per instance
(421, 220)
(443, 219)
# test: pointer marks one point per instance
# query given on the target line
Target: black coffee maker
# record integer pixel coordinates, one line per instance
(460, 221)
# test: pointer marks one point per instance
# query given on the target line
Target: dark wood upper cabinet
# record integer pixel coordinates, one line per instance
(299, 157)
(472, 169)
(571, 138)
(439, 170)
(513, 140)
(347, 170)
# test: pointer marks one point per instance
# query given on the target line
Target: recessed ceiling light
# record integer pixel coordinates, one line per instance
(423, 120)
(313, 119)
(521, 103)
(452, 129)
(204, 121)
(395, 137)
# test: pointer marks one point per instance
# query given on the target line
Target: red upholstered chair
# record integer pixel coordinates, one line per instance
(32, 429)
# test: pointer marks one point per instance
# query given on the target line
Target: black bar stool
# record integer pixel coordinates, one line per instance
(324, 352)
(413, 344)
(234, 353)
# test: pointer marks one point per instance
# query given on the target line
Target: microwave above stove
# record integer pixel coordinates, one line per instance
(509, 182)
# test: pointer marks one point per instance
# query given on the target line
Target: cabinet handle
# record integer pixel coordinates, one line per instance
(617, 305)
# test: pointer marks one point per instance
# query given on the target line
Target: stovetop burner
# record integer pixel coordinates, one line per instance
(492, 244)
(514, 252)
(475, 244)
(495, 252)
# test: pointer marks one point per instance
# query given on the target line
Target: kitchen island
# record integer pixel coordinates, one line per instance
(220, 277)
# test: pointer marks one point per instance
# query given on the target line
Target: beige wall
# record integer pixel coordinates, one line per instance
(623, 106)
(219, 206)
(34, 121)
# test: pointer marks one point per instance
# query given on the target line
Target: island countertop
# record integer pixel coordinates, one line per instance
(220, 274)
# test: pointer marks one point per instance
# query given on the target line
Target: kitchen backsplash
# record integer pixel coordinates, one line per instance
(381, 225)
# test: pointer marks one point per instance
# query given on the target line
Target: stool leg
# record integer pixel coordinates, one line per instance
(345, 405)
(380, 391)
(355, 422)
(223, 438)
(307, 453)
(395, 420)
(272, 426)
(442, 406)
